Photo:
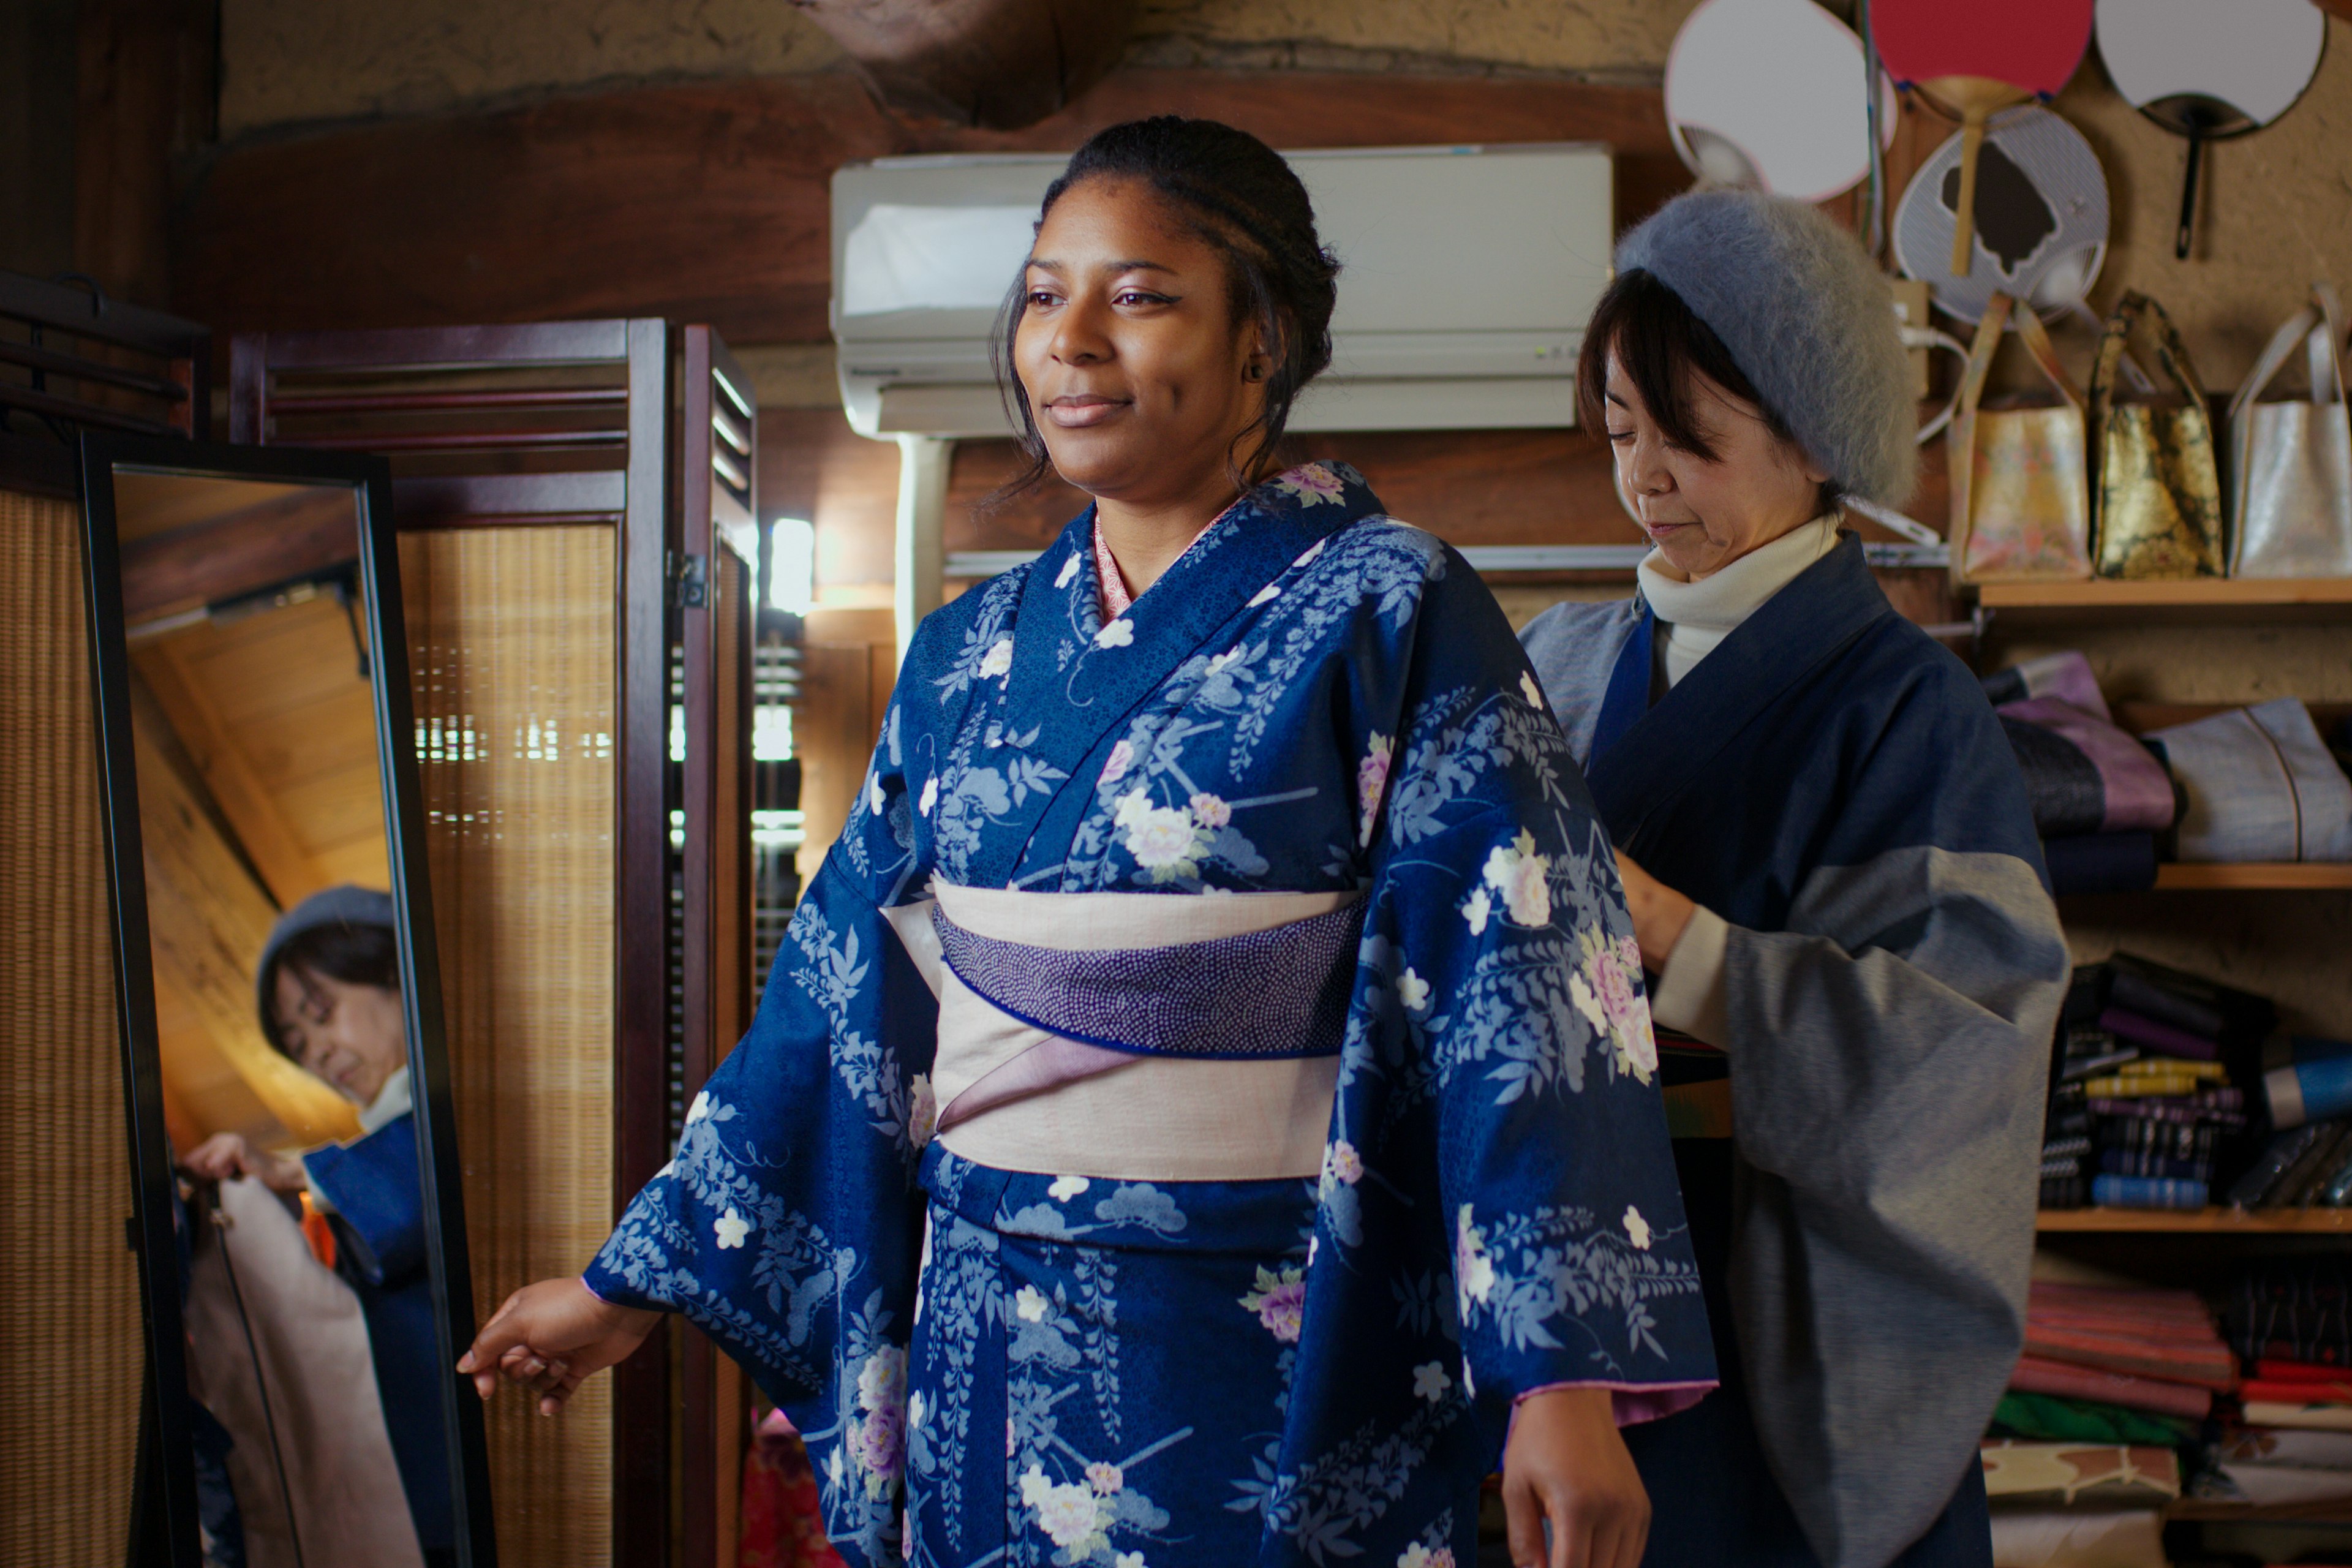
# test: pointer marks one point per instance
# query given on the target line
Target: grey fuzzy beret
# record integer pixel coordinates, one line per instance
(1807, 317)
(343, 906)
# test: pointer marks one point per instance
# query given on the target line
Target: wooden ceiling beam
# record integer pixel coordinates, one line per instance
(996, 64)
(271, 542)
(711, 201)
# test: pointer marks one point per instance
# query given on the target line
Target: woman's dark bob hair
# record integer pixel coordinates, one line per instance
(354, 953)
(1660, 343)
(1239, 194)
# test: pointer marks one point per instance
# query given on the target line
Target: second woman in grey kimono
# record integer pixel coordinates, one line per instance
(1833, 873)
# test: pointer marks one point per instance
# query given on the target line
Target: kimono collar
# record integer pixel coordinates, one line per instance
(1723, 599)
(1111, 596)
(391, 1102)
(1675, 742)
(1079, 676)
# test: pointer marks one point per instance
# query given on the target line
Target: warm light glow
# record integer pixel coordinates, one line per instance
(791, 573)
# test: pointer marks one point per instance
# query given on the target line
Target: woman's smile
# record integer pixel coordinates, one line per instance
(1078, 410)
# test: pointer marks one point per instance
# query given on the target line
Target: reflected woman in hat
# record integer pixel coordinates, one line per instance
(328, 986)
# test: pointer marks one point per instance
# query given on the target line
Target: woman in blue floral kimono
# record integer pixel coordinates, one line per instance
(1208, 1099)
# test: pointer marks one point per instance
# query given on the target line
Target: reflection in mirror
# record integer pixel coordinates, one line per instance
(316, 1393)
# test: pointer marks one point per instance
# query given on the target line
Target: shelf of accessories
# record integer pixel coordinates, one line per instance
(2208, 1221)
(2263, 597)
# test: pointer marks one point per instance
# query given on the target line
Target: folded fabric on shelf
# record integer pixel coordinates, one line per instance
(2319, 1416)
(2275, 1446)
(2066, 676)
(2070, 1473)
(2261, 785)
(2159, 1333)
(2037, 1376)
(2078, 1538)
(2266, 1484)
(2298, 1391)
(2054, 1417)
(2082, 774)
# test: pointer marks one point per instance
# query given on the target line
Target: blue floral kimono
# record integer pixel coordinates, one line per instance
(1064, 1369)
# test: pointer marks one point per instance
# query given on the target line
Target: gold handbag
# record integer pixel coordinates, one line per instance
(2290, 463)
(2020, 502)
(2155, 486)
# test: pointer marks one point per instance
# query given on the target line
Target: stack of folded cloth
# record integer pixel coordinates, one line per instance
(2135, 1349)
(2073, 1502)
(2100, 798)
(2288, 1319)
(2142, 1112)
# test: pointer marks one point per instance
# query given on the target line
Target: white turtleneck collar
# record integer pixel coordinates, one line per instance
(1698, 616)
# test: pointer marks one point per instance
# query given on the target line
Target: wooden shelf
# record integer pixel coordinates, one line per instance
(2206, 1221)
(2250, 596)
(2327, 1510)
(2307, 875)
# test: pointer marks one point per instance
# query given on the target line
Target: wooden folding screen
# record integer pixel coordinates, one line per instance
(559, 488)
(719, 509)
(71, 1345)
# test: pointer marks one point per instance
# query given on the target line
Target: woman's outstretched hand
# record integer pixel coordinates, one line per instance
(1659, 912)
(225, 1156)
(1567, 1466)
(551, 1337)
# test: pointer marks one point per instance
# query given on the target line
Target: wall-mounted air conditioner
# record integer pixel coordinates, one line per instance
(1468, 275)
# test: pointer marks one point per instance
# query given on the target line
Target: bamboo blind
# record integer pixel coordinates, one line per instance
(511, 646)
(70, 1341)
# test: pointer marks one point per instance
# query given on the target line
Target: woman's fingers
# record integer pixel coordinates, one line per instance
(502, 1336)
(1523, 1523)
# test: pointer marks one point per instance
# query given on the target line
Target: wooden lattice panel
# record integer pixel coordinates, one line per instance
(70, 1341)
(514, 665)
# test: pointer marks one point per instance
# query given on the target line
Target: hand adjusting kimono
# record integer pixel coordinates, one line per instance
(1877, 959)
(1291, 1080)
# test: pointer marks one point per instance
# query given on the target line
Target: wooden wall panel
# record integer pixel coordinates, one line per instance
(709, 201)
(848, 663)
(71, 1343)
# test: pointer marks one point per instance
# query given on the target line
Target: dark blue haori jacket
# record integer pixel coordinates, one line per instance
(1833, 784)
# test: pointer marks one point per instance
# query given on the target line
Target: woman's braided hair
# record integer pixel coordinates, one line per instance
(1239, 194)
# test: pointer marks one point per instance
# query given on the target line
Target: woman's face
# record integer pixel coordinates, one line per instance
(1705, 514)
(352, 1035)
(1140, 375)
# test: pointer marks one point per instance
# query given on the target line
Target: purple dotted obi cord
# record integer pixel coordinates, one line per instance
(1270, 993)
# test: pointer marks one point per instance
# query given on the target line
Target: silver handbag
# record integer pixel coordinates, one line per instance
(2292, 490)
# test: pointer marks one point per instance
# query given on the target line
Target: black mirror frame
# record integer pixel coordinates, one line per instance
(370, 479)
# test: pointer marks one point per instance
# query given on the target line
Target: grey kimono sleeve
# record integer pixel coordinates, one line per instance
(1888, 1053)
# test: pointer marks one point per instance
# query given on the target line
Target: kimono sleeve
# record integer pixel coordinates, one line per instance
(1498, 919)
(1888, 1055)
(788, 1225)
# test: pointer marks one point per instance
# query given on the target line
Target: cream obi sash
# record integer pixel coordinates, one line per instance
(1139, 1036)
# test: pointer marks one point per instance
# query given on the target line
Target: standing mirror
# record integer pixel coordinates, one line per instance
(301, 1244)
